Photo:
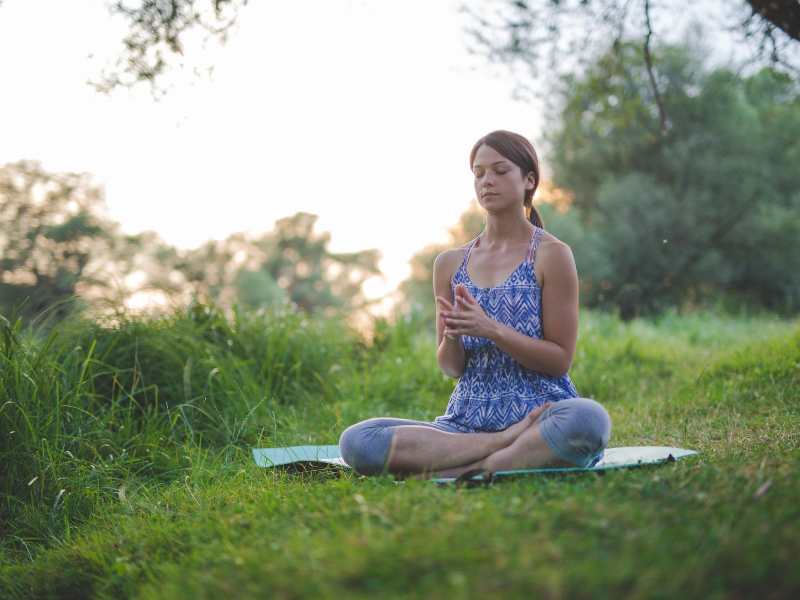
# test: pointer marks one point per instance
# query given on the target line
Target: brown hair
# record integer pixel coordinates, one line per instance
(520, 151)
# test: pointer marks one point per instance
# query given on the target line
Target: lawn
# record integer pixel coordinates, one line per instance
(126, 466)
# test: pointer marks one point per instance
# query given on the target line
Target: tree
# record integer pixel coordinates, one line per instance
(710, 205)
(297, 259)
(158, 30)
(55, 242)
(291, 263)
(560, 36)
(59, 251)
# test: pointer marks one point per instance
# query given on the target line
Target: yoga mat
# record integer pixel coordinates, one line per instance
(614, 458)
(274, 457)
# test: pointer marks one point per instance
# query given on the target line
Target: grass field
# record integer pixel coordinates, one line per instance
(126, 469)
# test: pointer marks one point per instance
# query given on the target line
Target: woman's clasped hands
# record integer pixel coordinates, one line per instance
(466, 317)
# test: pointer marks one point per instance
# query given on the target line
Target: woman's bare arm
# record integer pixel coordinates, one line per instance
(450, 351)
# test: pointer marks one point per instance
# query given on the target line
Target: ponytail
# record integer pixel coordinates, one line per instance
(535, 217)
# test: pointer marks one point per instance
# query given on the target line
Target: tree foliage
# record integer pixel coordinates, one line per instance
(157, 30)
(55, 241)
(518, 30)
(289, 264)
(561, 36)
(710, 205)
(294, 258)
(59, 251)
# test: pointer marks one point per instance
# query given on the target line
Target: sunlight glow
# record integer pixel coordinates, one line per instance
(329, 111)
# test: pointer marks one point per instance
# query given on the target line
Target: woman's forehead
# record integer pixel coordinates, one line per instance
(486, 155)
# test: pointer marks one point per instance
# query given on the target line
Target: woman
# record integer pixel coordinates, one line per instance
(506, 325)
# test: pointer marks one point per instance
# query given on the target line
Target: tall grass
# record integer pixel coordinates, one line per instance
(90, 407)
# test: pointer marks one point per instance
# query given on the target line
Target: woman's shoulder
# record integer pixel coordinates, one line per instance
(553, 254)
(449, 260)
(447, 263)
(550, 244)
(546, 237)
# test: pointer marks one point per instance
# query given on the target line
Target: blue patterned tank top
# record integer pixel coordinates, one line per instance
(495, 391)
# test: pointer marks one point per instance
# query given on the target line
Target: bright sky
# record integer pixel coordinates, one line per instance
(360, 112)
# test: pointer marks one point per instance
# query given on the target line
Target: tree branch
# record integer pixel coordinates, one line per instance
(783, 14)
(648, 61)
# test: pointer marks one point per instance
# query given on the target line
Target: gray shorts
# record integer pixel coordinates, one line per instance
(576, 429)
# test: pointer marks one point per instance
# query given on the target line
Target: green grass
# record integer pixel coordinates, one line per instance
(147, 427)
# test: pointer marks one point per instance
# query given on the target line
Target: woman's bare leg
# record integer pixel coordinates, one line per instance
(584, 434)
(452, 472)
(420, 449)
(529, 451)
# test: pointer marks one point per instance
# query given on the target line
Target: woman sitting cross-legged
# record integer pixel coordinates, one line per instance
(507, 325)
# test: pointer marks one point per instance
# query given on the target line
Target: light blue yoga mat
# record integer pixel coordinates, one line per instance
(614, 458)
(273, 457)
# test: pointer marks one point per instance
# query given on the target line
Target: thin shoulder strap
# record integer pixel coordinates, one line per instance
(535, 239)
(471, 245)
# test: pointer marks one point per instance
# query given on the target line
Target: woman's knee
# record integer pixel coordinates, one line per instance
(577, 429)
(365, 446)
(596, 422)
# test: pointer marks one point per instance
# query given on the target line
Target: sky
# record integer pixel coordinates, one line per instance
(339, 111)
(361, 112)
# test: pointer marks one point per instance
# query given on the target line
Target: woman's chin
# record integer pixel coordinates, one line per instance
(496, 206)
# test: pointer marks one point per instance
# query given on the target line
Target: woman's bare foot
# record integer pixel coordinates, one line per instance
(513, 432)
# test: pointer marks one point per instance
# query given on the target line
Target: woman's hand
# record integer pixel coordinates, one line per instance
(445, 307)
(467, 317)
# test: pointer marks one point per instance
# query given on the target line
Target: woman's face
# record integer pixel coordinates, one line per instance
(498, 181)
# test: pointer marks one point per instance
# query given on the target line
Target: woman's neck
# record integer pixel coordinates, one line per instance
(506, 230)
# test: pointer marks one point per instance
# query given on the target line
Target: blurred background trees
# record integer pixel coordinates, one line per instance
(537, 33)
(675, 183)
(711, 205)
(552, 38)
(54, 240)
(59, 252)
(706, 209)
(294, 262)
